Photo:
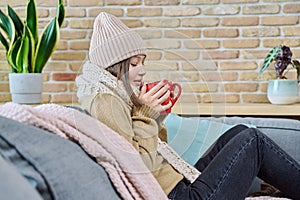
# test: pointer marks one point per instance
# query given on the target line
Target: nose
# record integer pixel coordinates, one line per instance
(142, 70)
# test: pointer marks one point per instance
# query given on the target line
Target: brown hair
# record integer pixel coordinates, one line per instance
(121, 71)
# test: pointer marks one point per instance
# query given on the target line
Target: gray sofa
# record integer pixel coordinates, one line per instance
(37, 164)
(285, 132)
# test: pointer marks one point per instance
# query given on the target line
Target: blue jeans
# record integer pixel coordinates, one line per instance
(230, 166)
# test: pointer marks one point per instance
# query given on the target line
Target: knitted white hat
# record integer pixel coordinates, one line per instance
(112, 41)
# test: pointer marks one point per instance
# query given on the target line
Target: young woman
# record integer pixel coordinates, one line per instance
(110, 89)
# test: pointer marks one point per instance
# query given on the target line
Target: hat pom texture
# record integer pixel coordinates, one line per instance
(112, 41)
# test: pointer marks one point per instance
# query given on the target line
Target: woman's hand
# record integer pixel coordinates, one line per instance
(156, 96)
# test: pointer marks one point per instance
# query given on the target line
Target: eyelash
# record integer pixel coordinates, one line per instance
(134, 65)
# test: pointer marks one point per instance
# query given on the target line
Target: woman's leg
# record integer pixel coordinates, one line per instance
(218, 145)
(231, 171)
(285, 173)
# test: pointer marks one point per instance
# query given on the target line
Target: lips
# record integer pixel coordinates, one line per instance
(137, 82)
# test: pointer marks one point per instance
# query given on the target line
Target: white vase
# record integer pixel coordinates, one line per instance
(283, 91)
(26, 88)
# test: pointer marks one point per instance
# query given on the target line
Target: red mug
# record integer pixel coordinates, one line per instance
(172, 97)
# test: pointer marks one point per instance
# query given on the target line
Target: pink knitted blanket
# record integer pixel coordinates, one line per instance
(121, 161)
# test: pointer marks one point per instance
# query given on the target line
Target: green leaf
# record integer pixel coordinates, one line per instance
(22, 55)
(4, 42)
(269, 59)
(12, 44)
(60, 12)
(2, 27)
(6, 25)
(46, 45)
(19, 26)
(9, 29)
(31, 48)
(32, 19)
(12, 55)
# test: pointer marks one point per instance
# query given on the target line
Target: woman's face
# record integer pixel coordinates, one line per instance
(136, 70)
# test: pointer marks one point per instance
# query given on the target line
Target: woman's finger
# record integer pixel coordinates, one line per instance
(143, 90)
(164, 97)
(167, 106)
(156, 88)
(161, 91)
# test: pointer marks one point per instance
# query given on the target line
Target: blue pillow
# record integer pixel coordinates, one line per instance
(190, 137)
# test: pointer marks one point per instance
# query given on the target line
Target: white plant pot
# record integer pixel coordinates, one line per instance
(26, 88)
(283, 91)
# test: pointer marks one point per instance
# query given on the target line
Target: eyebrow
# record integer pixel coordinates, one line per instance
(139, 57)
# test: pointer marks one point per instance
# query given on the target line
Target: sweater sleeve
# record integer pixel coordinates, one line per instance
(147, 112)
(109, 110)
(162, 130)
(138, 126)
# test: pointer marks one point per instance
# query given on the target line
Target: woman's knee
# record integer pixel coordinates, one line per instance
(240, 127)
(232, 133)
(235, 130)
(252, 133)
(256, 132)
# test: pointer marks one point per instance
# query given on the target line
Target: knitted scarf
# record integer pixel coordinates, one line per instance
(95, 79)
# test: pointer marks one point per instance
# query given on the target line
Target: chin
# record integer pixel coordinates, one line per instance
(136, 84)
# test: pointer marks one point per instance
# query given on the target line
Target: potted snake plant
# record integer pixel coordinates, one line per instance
(26, 52)
(281, 90)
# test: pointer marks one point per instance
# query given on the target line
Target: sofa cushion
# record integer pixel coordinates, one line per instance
(191, 137)
(200, 132)
(69, 173)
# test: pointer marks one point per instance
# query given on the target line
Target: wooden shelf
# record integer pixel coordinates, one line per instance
(227, 109)
(232, 109)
